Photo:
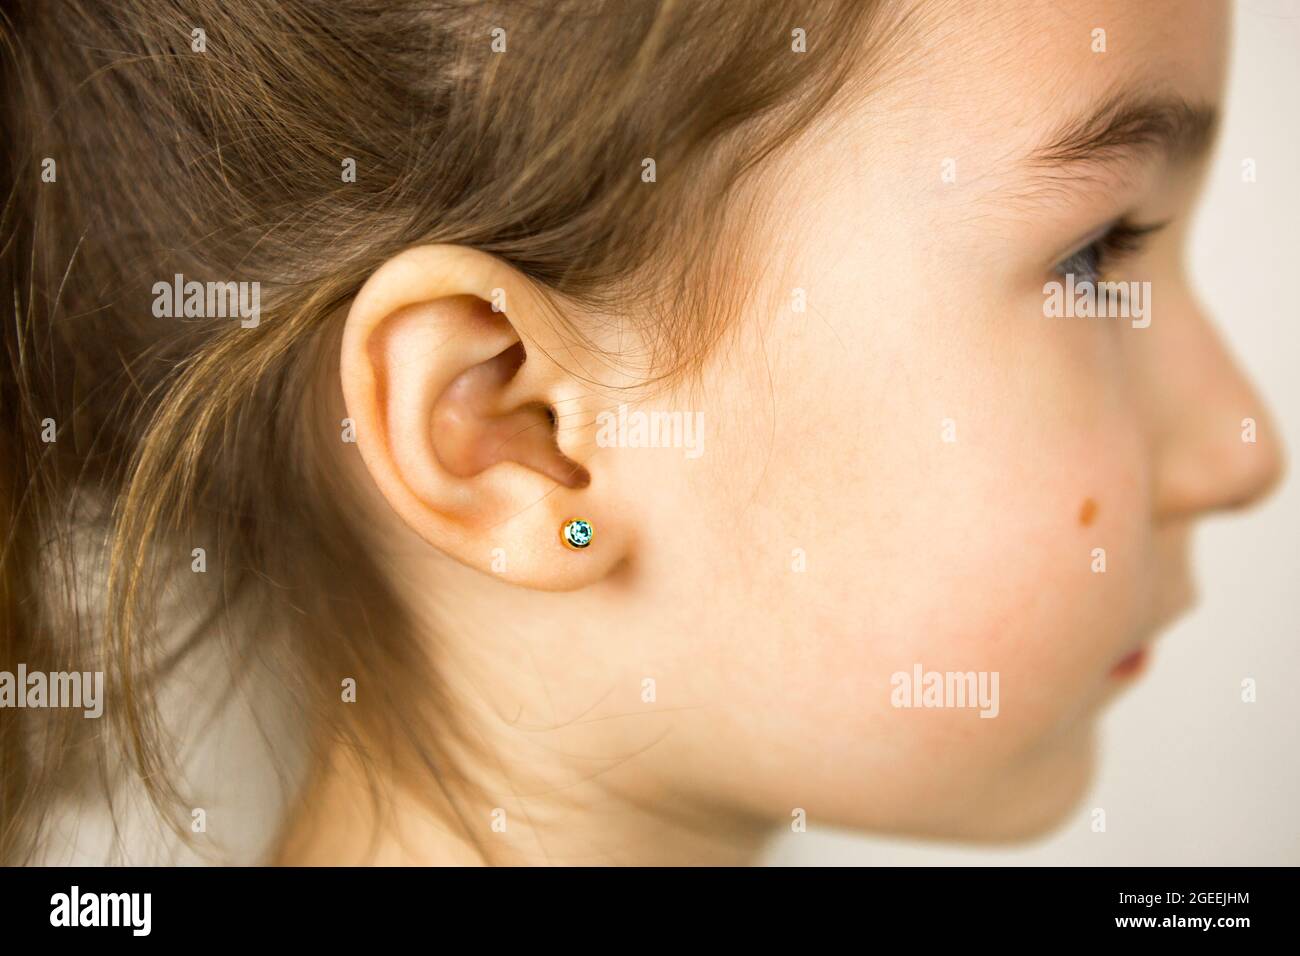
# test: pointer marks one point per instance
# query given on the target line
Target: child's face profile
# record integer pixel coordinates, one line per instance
(906, 466)
(922, 469)
(955, 465)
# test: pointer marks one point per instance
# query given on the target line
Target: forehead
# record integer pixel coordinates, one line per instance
(1005, 72)
(978, 87)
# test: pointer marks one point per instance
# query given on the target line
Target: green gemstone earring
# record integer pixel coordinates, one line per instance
(576, 533)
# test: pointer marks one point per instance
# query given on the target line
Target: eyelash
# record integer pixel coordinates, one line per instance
(1121, 240)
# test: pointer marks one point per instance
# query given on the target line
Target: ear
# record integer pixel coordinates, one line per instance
(448, 379)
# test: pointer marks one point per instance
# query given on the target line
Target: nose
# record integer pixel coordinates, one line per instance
(1216, 446)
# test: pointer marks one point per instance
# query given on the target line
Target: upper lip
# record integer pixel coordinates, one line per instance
(1170, 610)
(1183, 601)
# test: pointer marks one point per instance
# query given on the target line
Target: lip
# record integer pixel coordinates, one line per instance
(1131, 665)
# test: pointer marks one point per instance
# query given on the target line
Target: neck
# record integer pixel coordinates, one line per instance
(548, 751)
(350, 814)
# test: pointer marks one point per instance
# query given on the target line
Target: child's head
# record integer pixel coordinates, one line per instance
(759, 291)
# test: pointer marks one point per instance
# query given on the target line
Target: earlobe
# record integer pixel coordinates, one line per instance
(452, 409)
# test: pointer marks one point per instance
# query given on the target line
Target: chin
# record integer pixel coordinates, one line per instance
(1019, 804)
(1037, 801)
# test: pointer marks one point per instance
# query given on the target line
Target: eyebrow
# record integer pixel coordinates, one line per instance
(1128, 126)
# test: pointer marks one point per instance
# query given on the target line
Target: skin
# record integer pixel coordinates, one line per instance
(824, 432)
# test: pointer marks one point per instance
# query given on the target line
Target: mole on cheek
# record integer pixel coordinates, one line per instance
(1087, 512)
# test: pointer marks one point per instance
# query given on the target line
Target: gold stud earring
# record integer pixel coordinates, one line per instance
(576, 533)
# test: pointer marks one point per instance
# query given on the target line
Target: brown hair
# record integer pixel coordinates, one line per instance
(136, 148)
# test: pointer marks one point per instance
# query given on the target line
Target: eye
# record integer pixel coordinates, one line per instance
(1121, 239)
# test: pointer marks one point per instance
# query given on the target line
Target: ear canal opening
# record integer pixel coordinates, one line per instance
(567, 472)
(579, 477)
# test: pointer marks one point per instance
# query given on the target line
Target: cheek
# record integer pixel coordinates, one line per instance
(984, 569)
(954, 519)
